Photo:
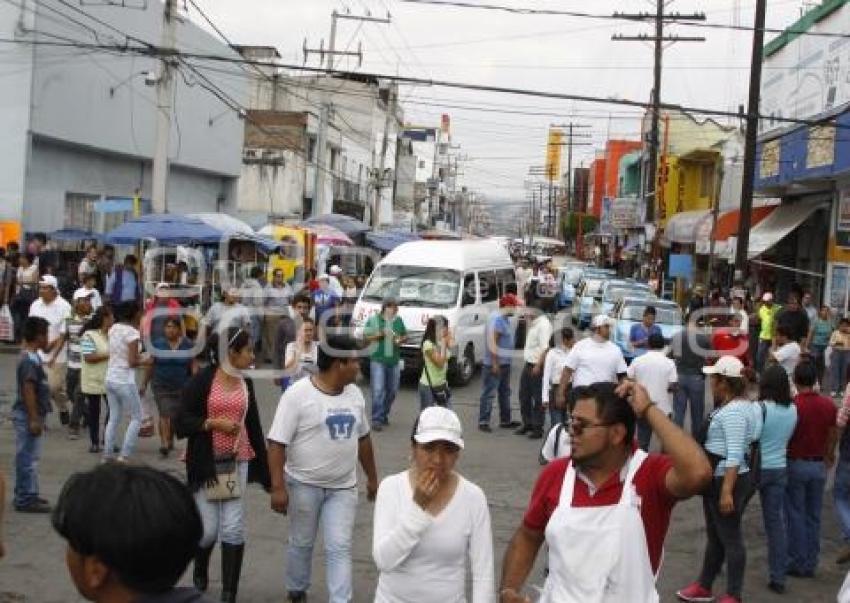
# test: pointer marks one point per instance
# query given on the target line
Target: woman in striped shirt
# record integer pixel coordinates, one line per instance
(727, 435)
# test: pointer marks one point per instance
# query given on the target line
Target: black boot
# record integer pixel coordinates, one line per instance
(231, 568)
(200, 573)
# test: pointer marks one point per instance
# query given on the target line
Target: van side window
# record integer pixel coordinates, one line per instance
(506, 277)
(468, 290)
(488, 286)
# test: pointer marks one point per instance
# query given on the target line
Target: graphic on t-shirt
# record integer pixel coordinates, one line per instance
(340, 424)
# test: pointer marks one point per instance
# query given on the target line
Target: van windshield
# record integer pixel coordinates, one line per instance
(414, 286)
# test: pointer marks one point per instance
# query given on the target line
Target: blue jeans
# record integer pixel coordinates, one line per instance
(803, 499)
(27, 455)
(772, 492)
(492, 384)
(383, 382)
(335, 509)
(839, 361)
(426, 398)
(763, 351)
(691, 388)
(122, 397)
(224, 519)
(841, 496)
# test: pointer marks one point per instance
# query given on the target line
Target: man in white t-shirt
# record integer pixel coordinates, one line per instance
(657, 374)
(785, 351)
(319, 432)
(593, 360)
(55, 310)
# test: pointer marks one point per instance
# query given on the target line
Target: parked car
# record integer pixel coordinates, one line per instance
(588, 293)
(616, 290)
(461, 280)
(629, 311)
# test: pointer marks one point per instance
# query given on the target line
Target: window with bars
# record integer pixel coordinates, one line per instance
(80, 213)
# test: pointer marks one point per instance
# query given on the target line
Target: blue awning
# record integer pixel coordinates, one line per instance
(74, 234)
(386, 241)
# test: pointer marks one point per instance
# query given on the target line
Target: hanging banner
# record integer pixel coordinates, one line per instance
(553, 155)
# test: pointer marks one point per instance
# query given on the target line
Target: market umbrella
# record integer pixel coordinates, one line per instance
(350, 226)
(167, 229)
(330, 236)
(224, 222)
(387, 240)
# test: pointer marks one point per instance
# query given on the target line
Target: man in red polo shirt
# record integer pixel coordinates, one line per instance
(604, 512)
(811, 452)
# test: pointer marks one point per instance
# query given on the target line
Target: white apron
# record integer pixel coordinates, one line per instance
(599, 554)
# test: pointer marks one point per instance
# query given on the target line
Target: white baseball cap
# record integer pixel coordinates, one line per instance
(438, 424)
(83, 293)
(48, 280)
(335, 269)
(727, 366)
(767, 297)
(600, 321)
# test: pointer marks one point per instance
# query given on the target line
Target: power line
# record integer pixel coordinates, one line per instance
(619, 17)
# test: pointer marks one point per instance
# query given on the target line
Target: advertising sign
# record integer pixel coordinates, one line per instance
(625, 213)
(681, 266)
(553, 155)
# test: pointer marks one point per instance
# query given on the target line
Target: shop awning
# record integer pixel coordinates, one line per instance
(780, 223)
(682, 227)
(728, 223)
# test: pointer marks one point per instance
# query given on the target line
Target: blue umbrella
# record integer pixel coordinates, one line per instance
(167, 229)
(386, 241)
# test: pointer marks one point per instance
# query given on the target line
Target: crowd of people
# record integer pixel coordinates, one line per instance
(775, 425)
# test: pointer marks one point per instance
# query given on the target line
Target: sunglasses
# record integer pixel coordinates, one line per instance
(577, 427)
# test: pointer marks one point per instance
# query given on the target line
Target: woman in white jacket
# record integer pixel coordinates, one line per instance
(428, 519)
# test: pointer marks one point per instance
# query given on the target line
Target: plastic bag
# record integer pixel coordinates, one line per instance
(7, 324)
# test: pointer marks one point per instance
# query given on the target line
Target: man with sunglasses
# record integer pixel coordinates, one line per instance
(604, 511)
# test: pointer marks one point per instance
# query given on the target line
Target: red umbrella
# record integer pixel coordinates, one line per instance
(330, 236)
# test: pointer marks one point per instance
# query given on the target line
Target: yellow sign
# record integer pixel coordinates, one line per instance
(770, 152)
(553, 155)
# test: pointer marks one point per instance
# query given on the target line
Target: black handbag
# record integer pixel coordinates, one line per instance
(441, 394)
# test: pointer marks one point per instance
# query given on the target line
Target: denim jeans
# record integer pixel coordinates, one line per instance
(841, 496)
(121, 397)
(492, 384)
(335, 510)
(725, 536)
(803, 500)
(383, 382)
(763, 351)
(691, 388)
(839, 361)
(27, 455)
(772, 493)
(224, 520)
(75, 396)
(426, 398)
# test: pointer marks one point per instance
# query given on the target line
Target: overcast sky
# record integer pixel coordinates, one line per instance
(548, 53)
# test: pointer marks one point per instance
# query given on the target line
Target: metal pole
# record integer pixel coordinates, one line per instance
(656, 109)
(379, 184)
(164, 97)
(570, 178)
(741, 265)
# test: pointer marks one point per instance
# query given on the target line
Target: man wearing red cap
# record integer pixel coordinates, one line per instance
(499, 345)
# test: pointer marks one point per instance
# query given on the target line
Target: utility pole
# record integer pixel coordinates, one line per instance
(380, 178)
(571, 142)
(164, 97)
(659, 38)
(325, 112)
(750, 139)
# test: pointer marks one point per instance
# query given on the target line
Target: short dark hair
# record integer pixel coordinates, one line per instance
(567, 334)
(337, 347)
(96, 321)
(611, 408)
(34, 327)
(774, 385)
(805, 374)
(126, 311)
(173, 320)
(302, 298)
(783, 330)
(130, 260)
(236, 340)
(650, 311)
(141, 523)
(256, 272)
(655, 341)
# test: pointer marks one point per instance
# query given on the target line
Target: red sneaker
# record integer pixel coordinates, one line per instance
(696, 593)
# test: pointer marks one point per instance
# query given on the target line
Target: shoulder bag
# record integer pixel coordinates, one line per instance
(226, 485)
(441, 393)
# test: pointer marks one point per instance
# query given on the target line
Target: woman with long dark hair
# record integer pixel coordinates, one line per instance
(437, 343)
(94, 348)
(727, 435)
(780, 418)
(226, 450)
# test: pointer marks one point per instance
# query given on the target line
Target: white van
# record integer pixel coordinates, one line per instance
(461, 280)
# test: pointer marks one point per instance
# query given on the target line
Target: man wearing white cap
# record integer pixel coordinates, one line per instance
(766, 314)
(71, 334)
(333, 280)
(55, 310)
(593, 359)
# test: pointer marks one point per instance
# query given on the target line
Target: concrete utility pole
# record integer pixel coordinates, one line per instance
(164, 97)
(660, 18)
(751, 137)
(325, 113)
(380, 178)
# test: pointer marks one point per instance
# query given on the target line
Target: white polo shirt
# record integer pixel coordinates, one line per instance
(656, 372)
(594, 361)
(55, 314)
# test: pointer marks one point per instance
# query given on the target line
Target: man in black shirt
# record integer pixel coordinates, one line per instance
(689, 349)
(794, 319)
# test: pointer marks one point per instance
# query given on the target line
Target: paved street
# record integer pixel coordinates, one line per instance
(503, 464)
